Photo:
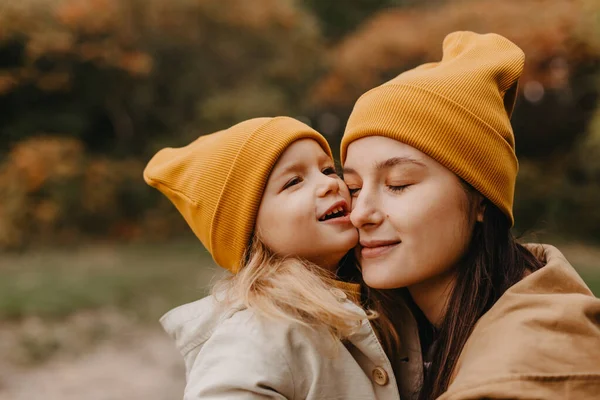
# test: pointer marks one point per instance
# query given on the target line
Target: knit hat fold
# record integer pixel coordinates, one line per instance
(217, 181)
(456, 111)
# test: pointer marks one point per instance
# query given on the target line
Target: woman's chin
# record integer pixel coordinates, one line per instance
(377, 276)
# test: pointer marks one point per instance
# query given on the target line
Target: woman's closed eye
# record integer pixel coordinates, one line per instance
(353, 191)
(397, 188)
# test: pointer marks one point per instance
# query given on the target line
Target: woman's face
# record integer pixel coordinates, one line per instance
(414, 217)
(305, 207)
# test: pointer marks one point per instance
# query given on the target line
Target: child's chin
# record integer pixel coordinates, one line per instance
(343, 245)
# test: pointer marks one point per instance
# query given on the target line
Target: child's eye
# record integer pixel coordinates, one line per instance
(294, 181)
(329, 171)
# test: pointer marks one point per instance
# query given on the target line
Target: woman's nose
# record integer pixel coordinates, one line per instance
(365, 211)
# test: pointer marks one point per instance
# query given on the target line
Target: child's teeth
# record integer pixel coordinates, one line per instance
(335, 211)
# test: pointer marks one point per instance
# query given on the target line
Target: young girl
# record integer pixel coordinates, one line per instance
(429, 158)
(264, 199)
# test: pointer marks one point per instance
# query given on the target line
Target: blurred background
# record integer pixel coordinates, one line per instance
(90, 257)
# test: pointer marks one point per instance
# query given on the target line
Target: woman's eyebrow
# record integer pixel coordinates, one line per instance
(347, 170)
(390, 162)
(394, 161)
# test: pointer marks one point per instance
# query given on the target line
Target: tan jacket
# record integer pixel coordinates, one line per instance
(541, 340)
(233, 354)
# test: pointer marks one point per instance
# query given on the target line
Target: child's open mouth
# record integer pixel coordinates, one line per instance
(336, 211)
(332, 215)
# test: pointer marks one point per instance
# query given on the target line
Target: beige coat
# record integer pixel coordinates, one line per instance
(541, 340)
(234, 354)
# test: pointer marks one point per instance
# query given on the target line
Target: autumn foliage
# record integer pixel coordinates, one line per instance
(89, 89)
(561, 39)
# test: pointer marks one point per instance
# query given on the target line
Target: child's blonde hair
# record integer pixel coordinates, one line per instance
(291, 289)
(299, 291)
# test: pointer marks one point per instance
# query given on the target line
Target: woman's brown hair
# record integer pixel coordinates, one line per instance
(493, 263)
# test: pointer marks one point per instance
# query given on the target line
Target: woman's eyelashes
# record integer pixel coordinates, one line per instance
(397, 188)
(392, 188)
(353, 191)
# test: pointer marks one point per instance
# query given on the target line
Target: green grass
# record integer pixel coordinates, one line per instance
(140, 282)
(585, 257)
(145, 280)
(592, 279)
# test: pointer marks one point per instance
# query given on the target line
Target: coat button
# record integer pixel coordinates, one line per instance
(339, 294)
(380, 376)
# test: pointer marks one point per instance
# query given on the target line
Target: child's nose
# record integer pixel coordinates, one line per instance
(327, 185)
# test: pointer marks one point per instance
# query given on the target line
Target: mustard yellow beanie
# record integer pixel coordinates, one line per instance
(457, 111)
(217, 181)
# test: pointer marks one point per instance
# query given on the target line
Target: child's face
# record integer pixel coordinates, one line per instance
(302, 189)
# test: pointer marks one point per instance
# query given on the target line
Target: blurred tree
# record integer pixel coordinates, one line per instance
(95, 86)
(90, 88)
(118, 74)
(558, 94)
(338, 18)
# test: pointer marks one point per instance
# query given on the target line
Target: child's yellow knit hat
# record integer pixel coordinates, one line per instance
(456, 111)
(217, 181)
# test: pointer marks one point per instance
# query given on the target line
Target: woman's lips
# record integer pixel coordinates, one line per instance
(377, 249)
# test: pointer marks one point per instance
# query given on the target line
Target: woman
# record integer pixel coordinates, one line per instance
(429, 158)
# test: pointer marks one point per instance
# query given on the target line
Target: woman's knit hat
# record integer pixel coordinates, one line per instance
(457, 111)
(217, 181)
